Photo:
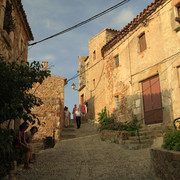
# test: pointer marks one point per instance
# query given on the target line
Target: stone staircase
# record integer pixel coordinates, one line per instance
(148, 136)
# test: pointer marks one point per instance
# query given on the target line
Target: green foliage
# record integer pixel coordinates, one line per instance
(172, 140)
(7, 151)
(132, 126)
(110, 124)
(16, 79)
(102, 116)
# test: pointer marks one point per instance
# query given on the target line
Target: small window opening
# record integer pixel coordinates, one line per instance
(116, 61)
(142, 42)
(116, 100)
(94, 55)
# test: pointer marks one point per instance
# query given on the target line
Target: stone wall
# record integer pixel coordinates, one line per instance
(14, 45)
(166, 164)
(51, 112)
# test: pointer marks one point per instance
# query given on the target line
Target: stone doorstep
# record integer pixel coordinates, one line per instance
(143, 141)
(150, 134)
(135, 146)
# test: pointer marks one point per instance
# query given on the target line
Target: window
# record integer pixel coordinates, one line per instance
(142, 42)
(8, 19)
(178, 13)
(176, 5)
(93, 83)
(94, 55)
(116, 61)
(116, 100)
(178, 10)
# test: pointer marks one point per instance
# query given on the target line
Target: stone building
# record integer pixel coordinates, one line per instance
(91, 82)
(51, 112)
(15, 32)
(137, 72)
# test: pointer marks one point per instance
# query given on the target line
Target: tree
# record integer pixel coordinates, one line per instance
(16, 79)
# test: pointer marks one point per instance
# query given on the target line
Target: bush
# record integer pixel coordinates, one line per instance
(110, 124)
(16, 102)
(7, 151)
(172, 140)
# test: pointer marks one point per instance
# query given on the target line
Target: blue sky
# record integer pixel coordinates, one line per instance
(47, 17)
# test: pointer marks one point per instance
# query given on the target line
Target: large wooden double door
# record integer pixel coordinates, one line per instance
(152, 100)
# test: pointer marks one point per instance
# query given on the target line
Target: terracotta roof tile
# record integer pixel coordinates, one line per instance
(133, 24)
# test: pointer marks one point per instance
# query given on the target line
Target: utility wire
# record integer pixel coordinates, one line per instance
(149, 18)
(83, 22)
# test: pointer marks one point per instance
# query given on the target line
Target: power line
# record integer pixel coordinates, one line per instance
(83, 22)
(148, 18)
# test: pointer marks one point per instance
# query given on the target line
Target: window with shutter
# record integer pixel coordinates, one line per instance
(178, 13)
(142, 42)
(116, 61)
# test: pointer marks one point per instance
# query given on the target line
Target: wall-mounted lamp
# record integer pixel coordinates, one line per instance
(74, 86)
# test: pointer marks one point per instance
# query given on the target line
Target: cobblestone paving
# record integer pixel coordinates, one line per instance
(81, 155)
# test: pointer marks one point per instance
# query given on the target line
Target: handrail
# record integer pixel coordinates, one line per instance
(174, 122)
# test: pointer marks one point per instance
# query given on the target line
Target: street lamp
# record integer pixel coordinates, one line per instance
(74, 86)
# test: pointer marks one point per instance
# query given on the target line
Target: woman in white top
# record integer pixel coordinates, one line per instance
(78, 118)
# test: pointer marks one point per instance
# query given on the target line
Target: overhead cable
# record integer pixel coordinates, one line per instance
(83, 22)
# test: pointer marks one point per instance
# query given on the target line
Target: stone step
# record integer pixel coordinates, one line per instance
(149, 134)
(152, 129)
(142, 141)
(141, 137)
(135, 146)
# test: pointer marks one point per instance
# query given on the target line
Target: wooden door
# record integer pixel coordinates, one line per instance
(152, 100)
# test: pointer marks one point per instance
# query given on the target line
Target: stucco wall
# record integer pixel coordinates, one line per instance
(95, 79)
(160, 57)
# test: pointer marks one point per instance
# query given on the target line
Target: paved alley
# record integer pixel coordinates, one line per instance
(81, 155)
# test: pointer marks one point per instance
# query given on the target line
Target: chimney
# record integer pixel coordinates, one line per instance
(45, 65)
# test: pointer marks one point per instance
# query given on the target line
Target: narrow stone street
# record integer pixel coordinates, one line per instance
(81, 155)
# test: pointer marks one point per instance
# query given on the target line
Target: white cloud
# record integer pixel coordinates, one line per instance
(47, 57)
(52, 25)
(124, 17)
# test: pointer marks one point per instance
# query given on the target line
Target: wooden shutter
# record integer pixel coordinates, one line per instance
(142, 42)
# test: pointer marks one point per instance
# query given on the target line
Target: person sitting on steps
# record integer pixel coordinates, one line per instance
(24, 146)
(29, 136)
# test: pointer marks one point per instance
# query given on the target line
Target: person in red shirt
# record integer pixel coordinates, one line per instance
(83, 112)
